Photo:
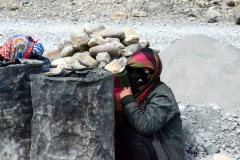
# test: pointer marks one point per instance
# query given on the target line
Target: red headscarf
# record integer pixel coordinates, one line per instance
(145, 57)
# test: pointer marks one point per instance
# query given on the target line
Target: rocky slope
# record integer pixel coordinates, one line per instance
(208, 130)
(205, 11)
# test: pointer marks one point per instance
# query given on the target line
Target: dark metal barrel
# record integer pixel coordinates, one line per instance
(16, 108)
(73, 115)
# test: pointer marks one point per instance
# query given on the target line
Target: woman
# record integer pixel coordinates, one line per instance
(151, 127)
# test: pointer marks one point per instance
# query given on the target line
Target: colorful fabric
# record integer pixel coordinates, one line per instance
(37, 49)
(20, 46)
(148, 58)
(120, 81)
(145, 57)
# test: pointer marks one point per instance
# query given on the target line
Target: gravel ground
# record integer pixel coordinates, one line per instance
(207, 130)
(159, 35)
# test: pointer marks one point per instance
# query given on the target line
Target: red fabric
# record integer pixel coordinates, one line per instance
(28, 51)
(7, 50)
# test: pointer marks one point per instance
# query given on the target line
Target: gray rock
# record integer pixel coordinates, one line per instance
(200, 141)
(111, 49)
(88, 61)
(114, 66)
(112, 33)
(211, 148)
(91, 28)
(125, 52)
(63, 43)
(79, 40)
(131, 36)
(103, 57)
(101, 65)
(67, 118)
(61, 61)
(212, 16)
(123, 61)
(133, 47)
(112, 40)
(67, 51)
(143, 43)
(96, 41)
(55, 70)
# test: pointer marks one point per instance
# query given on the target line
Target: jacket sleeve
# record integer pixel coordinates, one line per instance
(159, 110)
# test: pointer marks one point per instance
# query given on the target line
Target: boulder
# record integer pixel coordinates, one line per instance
(61, 61)
(96, 41)
(111, 49)
(133, 47)
(130, 36)
(88, 61)
(90, 28)
(114, 66)
(67, 51)
(112, 33)
(79, 40)
(212, 16)
(103, 57)
(143, 43)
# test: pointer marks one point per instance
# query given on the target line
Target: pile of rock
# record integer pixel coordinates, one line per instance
(96, 46)
(210, 131)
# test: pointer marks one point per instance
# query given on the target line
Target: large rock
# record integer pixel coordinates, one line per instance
(90, 28)
(67, 51)
(111, 33)
(111, 49)
(16, 109)
(200, 69)
(79, 40)
(114, 66)
(73, 115)
(212, 16)
(130, 36)
(61, 61)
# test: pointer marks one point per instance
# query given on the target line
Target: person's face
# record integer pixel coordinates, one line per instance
(138, 76)
(148, 72)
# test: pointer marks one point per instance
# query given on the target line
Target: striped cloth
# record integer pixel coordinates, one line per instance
(20, 46)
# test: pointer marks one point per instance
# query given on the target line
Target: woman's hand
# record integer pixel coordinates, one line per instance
(125, 92)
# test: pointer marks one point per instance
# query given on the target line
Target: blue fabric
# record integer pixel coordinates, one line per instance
(37, 49)
(46, 63)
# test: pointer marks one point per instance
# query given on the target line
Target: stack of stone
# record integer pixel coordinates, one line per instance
(96, 46)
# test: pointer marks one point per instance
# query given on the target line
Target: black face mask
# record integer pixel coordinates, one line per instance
(137, 80)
